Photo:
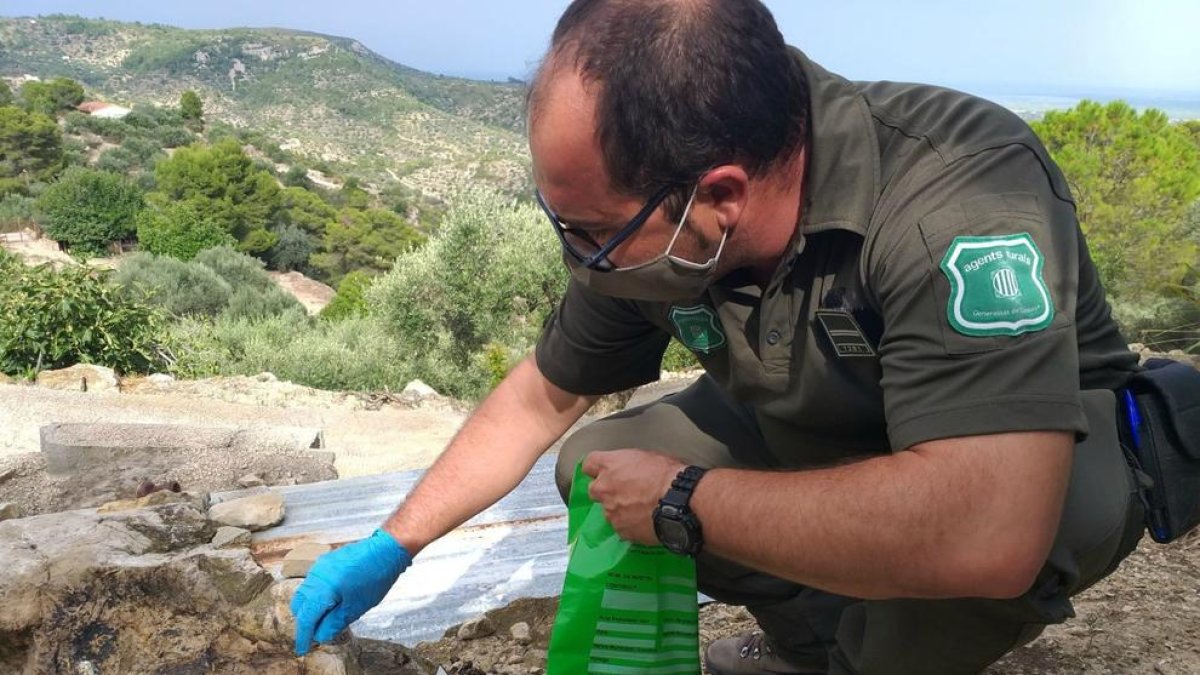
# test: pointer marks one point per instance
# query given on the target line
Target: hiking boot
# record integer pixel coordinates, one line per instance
(756, 654)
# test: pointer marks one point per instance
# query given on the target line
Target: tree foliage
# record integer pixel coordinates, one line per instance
(191, 108)
(242, 197)
(30, 149)
(1133, 177)
(364, 240)
(351, 298)
(50, 98)
(88, 208)
(57, 319)
(488, 276)
(179, 230)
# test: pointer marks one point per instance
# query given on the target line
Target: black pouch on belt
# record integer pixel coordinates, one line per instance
(1162, 415)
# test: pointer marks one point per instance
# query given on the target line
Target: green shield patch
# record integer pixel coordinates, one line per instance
(996, 286)
(698, 328)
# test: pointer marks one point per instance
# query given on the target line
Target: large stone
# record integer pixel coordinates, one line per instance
(298, 560)
(80, 377)
(323, 662)
(251, 480)
(479, 627)
(419, 389)
(155, 499)
(230, 537)
(256, 512)
(520, 633)
(8, 510)
(87, 592)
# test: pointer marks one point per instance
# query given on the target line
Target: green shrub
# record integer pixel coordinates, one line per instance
(237, 269)
(179, 230)
(57, 319)
(357, 354)
(679, 358)
(17, 212)
(351, 299)
(178, 287)
(292, 249)
(253, 303)
(87, 208)
(491, 274)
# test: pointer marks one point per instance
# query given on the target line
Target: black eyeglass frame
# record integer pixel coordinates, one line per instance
(594, 260)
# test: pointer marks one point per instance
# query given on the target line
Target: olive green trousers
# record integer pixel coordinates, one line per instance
(1101, 524)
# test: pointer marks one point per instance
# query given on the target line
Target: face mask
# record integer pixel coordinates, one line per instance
(665, 278)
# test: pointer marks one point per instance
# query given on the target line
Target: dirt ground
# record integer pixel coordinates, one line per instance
(1142, 620)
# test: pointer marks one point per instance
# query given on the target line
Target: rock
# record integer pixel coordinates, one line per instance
(160, 378)
(230, 537)
(476, 628)
(520, 633)
(7, 474)
(256, 512)
(8, 511)
(321, 662)
(419, 389)
(251, 481)
(80, 377)
(154, 499)
(298, 560)
(140, 591)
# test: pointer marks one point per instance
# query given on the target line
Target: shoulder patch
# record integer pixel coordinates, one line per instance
(698, 328)
(996, 286)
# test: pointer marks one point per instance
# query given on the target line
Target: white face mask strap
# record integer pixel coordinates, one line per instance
(682, 221)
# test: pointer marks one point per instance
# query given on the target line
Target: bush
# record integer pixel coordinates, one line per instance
(217, 282)
(57, 319)
(351, 297)
(87, 209)
(291, 250)
(237, 269)
(179, 230)
(178, 287)
(18, 212)
(358, 354)
(491, 274)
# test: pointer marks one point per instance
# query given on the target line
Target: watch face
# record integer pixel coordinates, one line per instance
(672, 533)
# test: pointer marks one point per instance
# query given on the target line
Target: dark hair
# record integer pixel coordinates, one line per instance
(683, 86)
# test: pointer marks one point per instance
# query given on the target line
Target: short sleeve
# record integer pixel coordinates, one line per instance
(978, 297)
(594, 344)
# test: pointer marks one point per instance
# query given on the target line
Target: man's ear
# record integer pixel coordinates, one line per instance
(724, 190)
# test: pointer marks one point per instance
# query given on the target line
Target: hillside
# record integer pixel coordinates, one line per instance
(326, 98)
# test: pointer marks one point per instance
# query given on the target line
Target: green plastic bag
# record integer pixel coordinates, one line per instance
(626, 609)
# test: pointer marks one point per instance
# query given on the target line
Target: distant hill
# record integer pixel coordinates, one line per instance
(324, 97)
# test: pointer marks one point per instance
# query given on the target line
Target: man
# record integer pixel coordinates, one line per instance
(907, 417)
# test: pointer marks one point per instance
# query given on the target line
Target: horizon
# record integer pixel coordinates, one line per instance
(1100, 48)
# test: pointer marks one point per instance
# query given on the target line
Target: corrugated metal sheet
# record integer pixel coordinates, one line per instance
(517, 548)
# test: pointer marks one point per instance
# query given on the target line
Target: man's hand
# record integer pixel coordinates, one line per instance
(629, 484)
(343, 584)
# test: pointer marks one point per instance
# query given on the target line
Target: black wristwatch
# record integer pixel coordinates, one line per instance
(676, 525)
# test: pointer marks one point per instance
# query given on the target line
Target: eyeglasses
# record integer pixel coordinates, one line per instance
(580, 245)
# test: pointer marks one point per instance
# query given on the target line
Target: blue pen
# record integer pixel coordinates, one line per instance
(1134, 417)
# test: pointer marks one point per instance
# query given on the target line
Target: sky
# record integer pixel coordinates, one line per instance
(1006, 46)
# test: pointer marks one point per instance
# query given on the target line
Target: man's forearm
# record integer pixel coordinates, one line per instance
(968, 523)
(488, 457)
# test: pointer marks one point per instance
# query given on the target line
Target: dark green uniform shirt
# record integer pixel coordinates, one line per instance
(938, 286)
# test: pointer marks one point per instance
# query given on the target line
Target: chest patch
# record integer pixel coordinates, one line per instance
(698, 328)
(996, 286)
(844, 333)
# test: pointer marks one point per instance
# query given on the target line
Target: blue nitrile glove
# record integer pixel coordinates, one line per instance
(343, 584)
